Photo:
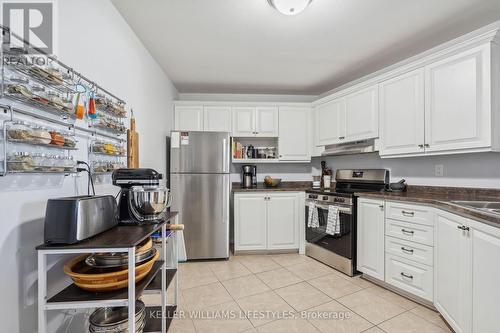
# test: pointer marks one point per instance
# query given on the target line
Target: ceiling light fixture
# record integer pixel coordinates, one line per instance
(289, 7)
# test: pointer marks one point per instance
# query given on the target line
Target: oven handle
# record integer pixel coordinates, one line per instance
(345, 210)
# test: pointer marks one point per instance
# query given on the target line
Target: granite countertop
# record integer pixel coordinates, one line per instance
(284, 186)
(442, 197)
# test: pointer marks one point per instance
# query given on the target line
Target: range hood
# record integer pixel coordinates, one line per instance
(350, 148)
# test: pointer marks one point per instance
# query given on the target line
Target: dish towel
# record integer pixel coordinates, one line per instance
(333, 224)
(313, 221)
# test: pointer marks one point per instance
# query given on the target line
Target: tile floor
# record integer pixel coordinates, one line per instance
(291, 293)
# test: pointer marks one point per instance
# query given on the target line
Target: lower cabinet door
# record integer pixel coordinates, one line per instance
(370, 243)
(282, 221)
(452, 263)
(412, 277)
(250, 214)
(485, 274)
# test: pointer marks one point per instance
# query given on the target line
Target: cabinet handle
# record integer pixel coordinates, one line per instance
(409, 214)
(341, 137)
(463, 228)
(381, 207)
(407, 250)
(407, 276)
(410, 232)
(427, 145)
(421, 146)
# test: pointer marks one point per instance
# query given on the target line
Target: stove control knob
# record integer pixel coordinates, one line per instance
(313, 196)
(325, 198)
(339, 200)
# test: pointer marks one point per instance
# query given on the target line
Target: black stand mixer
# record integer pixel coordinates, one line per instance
(142, 198)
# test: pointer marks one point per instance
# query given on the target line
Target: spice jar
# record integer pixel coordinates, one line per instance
(41, 135)
(41, 97)
(69, 141)
(55, 99)
(56, 138)
(18, 78)
(69, 163)
(19, 131)
(58, 164)
(36, 87)
(20, 161)
(109, 148)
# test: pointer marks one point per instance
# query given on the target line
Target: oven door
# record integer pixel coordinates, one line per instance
(341, 244)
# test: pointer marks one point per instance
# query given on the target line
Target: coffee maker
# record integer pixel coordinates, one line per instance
(249, 176)
(142, 198)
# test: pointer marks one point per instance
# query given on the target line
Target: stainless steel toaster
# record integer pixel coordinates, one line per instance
(73, 219)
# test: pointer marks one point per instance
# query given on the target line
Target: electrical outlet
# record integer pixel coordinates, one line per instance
(439, 170)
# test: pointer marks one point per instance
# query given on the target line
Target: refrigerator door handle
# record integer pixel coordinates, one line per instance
(224, 155)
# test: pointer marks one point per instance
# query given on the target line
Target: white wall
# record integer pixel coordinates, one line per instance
(463, 170)
(95, 40)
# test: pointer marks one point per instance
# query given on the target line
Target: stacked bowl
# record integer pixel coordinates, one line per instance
(115, 320)
(103, 272)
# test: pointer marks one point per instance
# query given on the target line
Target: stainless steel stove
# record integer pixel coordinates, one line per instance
(339, 250)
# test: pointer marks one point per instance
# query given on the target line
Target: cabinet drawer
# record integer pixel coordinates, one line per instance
(409, 213)
(412, 277)
(418, 233)
(410, 250)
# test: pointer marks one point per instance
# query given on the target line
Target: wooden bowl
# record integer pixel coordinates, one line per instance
(95, 279)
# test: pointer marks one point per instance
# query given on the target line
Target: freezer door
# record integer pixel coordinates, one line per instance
(200, 152)
(202, 201)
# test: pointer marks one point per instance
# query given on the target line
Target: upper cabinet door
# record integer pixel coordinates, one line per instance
(294, 138)
(330, 122)
(243, 121)
(217, 118)
(266, 121)
(458, 102)
(452, 269)
(189, 118)
(362, 114)
(402, 114)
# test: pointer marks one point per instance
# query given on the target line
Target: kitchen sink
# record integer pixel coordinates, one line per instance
(492, 207)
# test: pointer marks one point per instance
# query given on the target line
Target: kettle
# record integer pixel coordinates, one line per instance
(397, 187)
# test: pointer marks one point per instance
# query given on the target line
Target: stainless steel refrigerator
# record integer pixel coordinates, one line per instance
(200, 184)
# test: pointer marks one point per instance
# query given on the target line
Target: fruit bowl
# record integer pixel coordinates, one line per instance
(272, 182)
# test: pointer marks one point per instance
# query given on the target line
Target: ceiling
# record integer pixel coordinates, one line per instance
(244, 46)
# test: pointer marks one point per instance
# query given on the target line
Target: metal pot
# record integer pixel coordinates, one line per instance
(149, 202)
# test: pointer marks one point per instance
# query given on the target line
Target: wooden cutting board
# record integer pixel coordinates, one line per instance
(132, 144)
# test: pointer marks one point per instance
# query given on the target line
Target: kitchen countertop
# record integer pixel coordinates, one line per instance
(284, 186)
(442, 197)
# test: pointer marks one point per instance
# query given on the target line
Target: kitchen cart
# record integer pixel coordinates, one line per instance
(123, 239)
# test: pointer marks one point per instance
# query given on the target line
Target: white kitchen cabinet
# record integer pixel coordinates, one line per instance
(266, 121)
(402, 114)
(189, 118)
(217, 119)
(330, 122)
(255, 121)
(371, 238)
(458, 101)
(294, 142)
(243, 121)
(485, 246)
(452, 273)
(267, 221)
(361, 120)
(250, 221)
(282, 221)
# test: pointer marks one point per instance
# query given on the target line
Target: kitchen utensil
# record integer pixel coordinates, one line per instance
(149, 202)
(272, 182)
(102, 280)
(397, 187)
(247, 176)
(72, 219)
(132, 144)
(92, 110)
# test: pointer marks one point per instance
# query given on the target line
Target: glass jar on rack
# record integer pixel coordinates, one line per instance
(69, 163)
(57, 138)
(69, 140)
(20, 161)
(41, 135)
(20, 130)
